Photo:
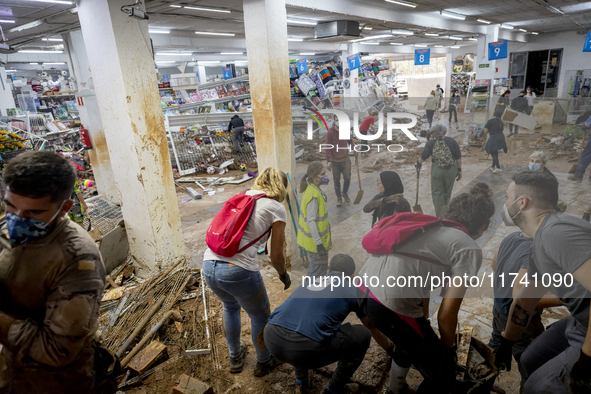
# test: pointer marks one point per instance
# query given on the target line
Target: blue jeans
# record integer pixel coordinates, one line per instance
(584, 160)
(237, 287)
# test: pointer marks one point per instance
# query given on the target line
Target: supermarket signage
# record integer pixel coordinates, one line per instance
(422, 57)
(227, 73)
(353, 62)
(344, 126)
(497, 50)
(484, 65)
(587, 46)
(302, 66)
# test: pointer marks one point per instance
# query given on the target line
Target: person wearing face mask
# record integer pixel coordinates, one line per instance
(559, 360)
(389, 199)
(519, 104)
(51, 282)
(530, 96)
(537, 162)
(313, 224)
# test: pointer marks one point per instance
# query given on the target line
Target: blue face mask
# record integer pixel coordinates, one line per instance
(535, 166)
(324, 180)
(24, 230)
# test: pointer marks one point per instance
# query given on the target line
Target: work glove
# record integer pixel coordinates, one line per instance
(504, 355)
(329, 167)
(580, 375)
(459, 175)
(322, 252)
(285, 279)
(418, 165)
(586, 216)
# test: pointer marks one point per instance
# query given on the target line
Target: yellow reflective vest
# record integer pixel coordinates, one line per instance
(305, 239)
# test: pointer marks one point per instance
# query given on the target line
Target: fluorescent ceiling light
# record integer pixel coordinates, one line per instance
(231, 53)
(52, 39)
(209, 33)
(307, 53)
(34, 63)
(51, 64)
(73, 10)
(473, 39)
(173, 54)
(301, 22)
(295, 39)
(523, 30)
(6, 21)
(404, 3)
(10, 71)
(26, 26)
(402, 32)
(176, 6)
(159, 31)
(54, 1)
(207, 9)
(432, 34)
(421, 45)
(455, 46)
(438, 46)
(371, 43)
(368, 28)
(455, 38)
(209, 62)
(241, 61)
(396, 43)
(483, 21)
(453, 15)
(534, 33)
(508, 27)
(165, 61)
(36, 51)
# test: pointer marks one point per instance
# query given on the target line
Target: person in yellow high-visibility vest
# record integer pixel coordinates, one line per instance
(313, 224)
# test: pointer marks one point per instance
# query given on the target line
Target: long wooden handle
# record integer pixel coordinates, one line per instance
(417, 199)
(358, 175)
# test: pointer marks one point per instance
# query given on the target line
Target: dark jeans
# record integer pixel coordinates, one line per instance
(533, 330)
(430, 113)
(237, 287)
(418, 346)
(511, 126)
(454, 111)
(584, 160)
(238, 137)
(495, 157)
(347, 346)
(341, 168)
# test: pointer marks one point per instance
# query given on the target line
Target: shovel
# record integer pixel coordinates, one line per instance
(573, 168)
(417, 207)
(360, 192)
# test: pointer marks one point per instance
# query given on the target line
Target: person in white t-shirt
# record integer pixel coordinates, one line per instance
(237, 281)
(530, 96)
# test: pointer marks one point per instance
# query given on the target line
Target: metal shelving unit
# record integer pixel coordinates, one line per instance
(209, 85)
(185, 107)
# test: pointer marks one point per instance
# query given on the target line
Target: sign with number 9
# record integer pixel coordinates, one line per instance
(497, 50)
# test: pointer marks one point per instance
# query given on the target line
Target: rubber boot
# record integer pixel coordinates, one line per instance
(397, 378)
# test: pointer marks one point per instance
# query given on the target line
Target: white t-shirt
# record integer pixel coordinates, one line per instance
(266, 212)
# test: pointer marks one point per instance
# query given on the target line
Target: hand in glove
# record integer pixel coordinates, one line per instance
(322, 252)
(586, 216)
(504, 355)
(459, 175)
(285, 279)
(418, 165)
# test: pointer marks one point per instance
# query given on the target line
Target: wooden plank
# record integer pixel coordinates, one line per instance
(147, 357)
(464, 346)
(188, 385)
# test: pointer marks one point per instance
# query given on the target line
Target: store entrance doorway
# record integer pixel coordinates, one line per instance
(538, 69)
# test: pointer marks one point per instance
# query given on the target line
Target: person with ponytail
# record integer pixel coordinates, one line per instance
(401, 312)
(389, 199)
(313, 225)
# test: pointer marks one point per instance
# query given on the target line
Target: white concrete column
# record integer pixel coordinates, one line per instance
(449, 68)
(492, 35)
(265, 25)
(6, 98)
(127, 93)
(90, 117)
(352, 92)
(201, 74)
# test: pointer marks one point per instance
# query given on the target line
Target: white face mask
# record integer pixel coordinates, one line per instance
(507, 218)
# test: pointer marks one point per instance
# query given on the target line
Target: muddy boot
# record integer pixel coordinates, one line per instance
(397, 378)
(237, 363)
(346, 198)
(263, 369)
(339, 203)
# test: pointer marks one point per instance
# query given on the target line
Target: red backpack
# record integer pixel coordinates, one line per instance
(227, 227)
(391, 231)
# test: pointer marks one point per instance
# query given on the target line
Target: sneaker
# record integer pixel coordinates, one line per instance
(339, 203)
(237, 363)
(346, 197)
(492, 169)
(497, 170)
(574, 178)
(263, 369)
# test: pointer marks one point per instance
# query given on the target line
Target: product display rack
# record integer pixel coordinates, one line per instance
(462, 82)
(479, 99)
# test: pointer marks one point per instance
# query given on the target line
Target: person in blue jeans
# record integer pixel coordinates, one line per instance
(585, 158)
(236, 280)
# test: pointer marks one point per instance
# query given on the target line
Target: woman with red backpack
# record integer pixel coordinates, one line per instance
(230, 269)
(423, 247)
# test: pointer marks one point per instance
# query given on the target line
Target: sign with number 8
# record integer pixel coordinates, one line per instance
(497, 50)
(422, 57)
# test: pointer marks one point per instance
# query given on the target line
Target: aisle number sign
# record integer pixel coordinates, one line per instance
(587, 46)
(227, 73)
(302, 66)
(353, 62)
(497, 50)
(422, 57)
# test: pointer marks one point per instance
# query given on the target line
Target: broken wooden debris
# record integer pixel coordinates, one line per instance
(464, 346)
(142, 361)
(189, 385)
(193, 352)
(140, 326)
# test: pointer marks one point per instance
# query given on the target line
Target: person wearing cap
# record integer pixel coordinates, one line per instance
(307, 330)
(446, 168)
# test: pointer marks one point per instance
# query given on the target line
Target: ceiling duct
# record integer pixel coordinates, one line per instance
(336, 29)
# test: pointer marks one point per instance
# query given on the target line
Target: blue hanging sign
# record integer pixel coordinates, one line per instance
(422, 57)
(497, 50)
(587, 46)
(302, 66)
(353, 61)
(227, 73)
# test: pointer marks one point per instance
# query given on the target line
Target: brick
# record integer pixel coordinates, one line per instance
(142, 361)
(189, 385)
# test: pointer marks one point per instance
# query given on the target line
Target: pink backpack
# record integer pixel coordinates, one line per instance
(227, 227)
(391, 231)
